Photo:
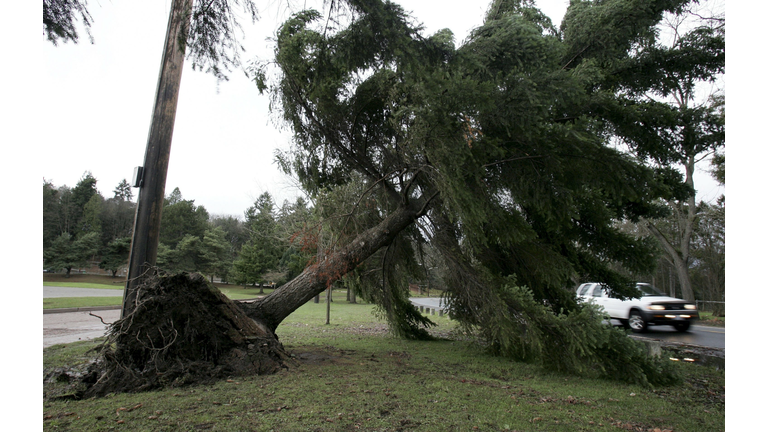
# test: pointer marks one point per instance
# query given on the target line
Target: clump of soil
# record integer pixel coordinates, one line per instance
(182, 331)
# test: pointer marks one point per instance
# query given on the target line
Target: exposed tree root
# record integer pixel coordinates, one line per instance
(182, 331)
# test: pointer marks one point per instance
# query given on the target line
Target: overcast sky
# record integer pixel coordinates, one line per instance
(99, 98)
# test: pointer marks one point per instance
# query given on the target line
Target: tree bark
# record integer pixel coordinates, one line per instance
(275, 307)
(679, 261)
(685, 213)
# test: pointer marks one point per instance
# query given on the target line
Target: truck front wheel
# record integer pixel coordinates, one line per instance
(637, 322)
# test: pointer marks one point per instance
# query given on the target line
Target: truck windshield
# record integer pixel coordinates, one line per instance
(649, 290)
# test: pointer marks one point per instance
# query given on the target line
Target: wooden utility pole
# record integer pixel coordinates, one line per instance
(146, 224)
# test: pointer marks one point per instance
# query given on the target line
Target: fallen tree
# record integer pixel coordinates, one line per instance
(182, 330)
(495, 154)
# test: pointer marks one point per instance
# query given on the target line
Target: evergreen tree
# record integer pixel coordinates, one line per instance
(123, 191)
(51, 213)
(261, 222)
(251, 264)
(115, 255)
(215, 259)
(68, 252)
(499, 153)
(181, 218)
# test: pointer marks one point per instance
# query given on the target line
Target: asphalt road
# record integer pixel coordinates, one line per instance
(705, 336)
(54, 292)
(59, 328)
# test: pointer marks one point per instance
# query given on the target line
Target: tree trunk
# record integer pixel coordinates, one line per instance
(679, 261)
(275, 307)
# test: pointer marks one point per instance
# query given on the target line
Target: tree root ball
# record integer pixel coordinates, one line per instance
(182, 331)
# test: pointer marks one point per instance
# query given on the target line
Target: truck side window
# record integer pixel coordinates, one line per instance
(598, 291)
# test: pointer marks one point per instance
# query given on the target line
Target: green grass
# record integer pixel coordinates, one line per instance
(239, 293)
(75, 302)
(706, 318)
(352, 375)
(231, 291)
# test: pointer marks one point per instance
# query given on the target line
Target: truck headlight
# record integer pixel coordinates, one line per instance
(690, 307)
(656, 307)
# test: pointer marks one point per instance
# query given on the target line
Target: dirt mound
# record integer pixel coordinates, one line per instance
(182, 331)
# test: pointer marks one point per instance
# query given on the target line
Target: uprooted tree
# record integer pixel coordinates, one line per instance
(497, 153)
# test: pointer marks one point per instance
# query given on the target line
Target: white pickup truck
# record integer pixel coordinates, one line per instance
(653, 307)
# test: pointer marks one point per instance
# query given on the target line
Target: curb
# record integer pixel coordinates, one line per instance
(80, 309)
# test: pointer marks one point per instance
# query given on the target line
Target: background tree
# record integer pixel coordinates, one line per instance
(296, 222)
(671, 126)
(181, 218)
(92, 211)
(215, 257)
(708, 253)
(115, 256)
(77, 212)
(117, 214)
(123, 191)
(186, 256)
(267, 245)
(68, 252)
(81, 195)
(251, 264)
(51, 213)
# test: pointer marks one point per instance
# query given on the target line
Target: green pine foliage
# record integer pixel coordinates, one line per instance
(518, 326)
(67, 252)
(507, 141)
(115, 255)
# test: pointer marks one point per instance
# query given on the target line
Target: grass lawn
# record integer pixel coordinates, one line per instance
(706, 318)
(83, 281)
(75, 302)
(352, 375)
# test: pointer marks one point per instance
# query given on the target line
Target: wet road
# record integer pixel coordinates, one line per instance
(59, 328)
(55, 292)
(705, 336)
